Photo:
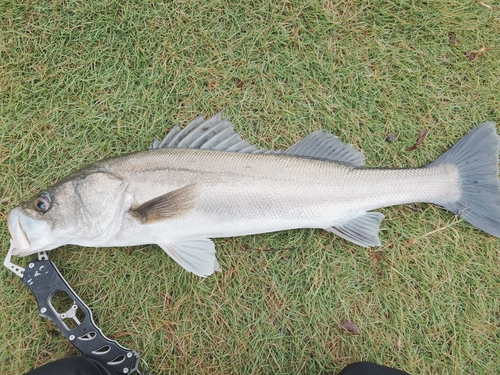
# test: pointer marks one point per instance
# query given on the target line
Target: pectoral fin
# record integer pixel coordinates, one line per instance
(362, 230)
(174, 204)
(196, 256)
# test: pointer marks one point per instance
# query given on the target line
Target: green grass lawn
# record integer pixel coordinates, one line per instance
(82, 80)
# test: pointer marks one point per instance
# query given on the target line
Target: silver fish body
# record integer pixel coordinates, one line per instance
(241, 194)
(205, 182)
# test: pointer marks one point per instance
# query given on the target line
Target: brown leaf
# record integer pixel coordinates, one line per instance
(376, 256)
(452, 37)
(420, 139)
(239, 83)
(470, 55)
(413, 241)
(350, 327)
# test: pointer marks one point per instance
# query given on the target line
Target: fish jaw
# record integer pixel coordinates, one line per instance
(29, 235)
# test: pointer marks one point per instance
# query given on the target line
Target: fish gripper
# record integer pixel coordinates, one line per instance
(76, 324)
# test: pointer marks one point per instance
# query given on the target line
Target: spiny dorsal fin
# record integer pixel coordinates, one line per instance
(175, 203)
(362, 230)
(212, 134)
(322, 145)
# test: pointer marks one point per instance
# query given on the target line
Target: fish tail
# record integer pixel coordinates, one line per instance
(476, 158)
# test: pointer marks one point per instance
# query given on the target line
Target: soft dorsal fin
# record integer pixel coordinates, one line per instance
(212, 134)
(323, 145)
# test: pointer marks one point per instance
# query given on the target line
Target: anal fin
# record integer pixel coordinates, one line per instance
(362, 230)
(194, 255)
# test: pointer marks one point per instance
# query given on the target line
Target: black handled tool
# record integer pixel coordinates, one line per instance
(76, 324)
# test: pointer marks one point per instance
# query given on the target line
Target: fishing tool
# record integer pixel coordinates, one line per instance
(76, 324)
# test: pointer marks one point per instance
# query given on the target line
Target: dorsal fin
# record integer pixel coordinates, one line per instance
(212, 134)
(323, 145)
(218, 134)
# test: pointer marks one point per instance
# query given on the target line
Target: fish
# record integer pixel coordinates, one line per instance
(205, 182)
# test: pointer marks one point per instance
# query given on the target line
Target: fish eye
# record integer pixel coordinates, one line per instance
(42, 203)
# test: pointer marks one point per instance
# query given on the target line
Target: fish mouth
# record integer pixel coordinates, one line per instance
(28, 235)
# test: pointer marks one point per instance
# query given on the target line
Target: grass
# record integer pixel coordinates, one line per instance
(85, 80)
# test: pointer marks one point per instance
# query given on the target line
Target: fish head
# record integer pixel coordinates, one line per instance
(83, 209)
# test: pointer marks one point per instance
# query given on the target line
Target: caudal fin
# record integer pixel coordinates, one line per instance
(476, 157)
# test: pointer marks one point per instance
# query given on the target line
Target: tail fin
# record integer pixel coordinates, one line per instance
(476, 157)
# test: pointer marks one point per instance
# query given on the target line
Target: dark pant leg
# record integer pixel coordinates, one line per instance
(71, 366)
(368, 368)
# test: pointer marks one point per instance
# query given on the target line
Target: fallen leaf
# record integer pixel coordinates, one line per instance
(239, 83)
(350, 327)
(420, 139)
(413, 241)
(452, 37)
(376, 256)
(470, 55)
